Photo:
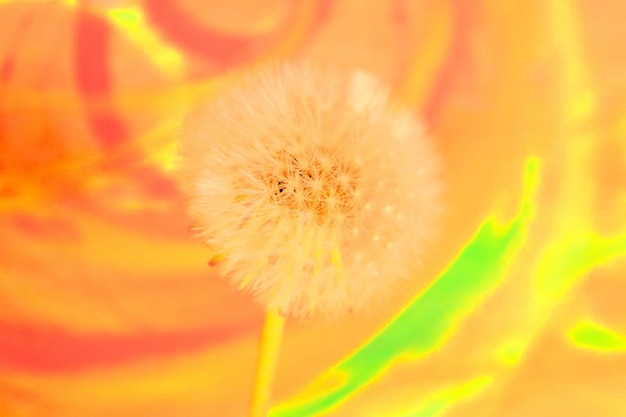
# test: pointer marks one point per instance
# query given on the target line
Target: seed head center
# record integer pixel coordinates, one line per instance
(314, 182)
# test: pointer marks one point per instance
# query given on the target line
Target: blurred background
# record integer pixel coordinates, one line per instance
(109, 307)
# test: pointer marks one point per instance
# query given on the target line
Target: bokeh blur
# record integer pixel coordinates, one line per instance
(109, 307)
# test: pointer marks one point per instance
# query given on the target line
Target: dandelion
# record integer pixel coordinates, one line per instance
(317, 194)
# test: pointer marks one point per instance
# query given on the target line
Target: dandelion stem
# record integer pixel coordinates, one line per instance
(269, 347)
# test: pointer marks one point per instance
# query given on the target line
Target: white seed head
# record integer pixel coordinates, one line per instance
(317, 193)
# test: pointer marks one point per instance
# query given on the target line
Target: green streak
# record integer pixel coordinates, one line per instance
(126, 16)
(427, 322)
(439, 402)
(594, 336)
(571, 257)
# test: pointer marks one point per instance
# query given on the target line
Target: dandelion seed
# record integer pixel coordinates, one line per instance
(316, 192)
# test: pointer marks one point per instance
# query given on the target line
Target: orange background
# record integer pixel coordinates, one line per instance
(108, 307)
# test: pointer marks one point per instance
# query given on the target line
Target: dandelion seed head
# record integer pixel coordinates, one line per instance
(317, 193)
